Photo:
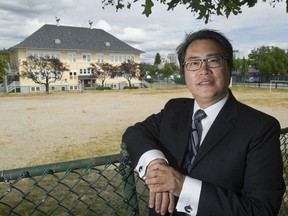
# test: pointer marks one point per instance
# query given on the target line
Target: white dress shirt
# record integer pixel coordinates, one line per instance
(188, 202)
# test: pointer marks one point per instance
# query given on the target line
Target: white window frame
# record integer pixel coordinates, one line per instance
(100, 58)
(120, 58)
(72, 57)
(86, 57)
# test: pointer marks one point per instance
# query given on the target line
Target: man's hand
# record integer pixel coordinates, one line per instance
(163, 201)
(162, 189)
(161, 177)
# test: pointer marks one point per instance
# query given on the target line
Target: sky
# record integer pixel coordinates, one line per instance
(161, 32)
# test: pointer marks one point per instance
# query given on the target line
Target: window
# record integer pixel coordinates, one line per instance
(86, 57)
(44, 54)
(73, 74)
(72, 57)
(100, 58)
(35, 89)
(85, 71)
(120, 58)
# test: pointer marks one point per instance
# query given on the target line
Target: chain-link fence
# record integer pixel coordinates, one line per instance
(96, 186)
(284, 149)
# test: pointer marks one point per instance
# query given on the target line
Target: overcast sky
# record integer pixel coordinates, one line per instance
(160, 32)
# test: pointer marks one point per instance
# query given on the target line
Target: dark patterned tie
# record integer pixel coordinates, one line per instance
(195, 138)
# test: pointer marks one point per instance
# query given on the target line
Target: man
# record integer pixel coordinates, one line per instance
(231, 166)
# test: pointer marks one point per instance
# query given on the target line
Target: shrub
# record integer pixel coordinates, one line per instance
(131, 87)
(103, 88)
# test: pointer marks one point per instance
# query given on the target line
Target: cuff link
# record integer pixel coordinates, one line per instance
(188, 208)
(140, 169)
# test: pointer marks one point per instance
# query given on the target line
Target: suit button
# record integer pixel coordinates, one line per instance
(188, 208)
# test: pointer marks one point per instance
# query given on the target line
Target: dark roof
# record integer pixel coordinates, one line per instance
(74, 38)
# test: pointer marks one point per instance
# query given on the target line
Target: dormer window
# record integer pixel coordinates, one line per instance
(107, 44)
(57, 41)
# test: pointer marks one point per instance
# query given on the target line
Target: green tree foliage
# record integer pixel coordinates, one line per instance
(157, 60)
(3, 66)
(129, 70)
(167, 71)
(102, 71)
(43, 70)
(269, 60)
(202, 9)
(244, 67)
(148, 71)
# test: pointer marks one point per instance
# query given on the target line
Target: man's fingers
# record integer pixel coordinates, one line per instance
(171, 203)
(158, 202)
(152, 197)
(164, 203)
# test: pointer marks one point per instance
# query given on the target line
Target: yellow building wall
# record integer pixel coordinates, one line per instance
(21, 54)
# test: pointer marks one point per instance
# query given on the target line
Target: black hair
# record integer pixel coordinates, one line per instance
(204, 34)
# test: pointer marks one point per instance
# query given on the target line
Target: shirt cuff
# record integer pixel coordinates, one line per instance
(189, 197)
(146, 159)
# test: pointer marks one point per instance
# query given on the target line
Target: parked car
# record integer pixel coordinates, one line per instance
(252, 80)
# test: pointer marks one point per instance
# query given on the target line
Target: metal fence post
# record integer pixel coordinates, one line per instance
(129, 183)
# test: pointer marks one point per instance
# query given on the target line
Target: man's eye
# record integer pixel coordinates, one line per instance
(214, 60)
(194, 63)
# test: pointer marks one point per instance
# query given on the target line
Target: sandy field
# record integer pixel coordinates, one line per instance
(39, 129)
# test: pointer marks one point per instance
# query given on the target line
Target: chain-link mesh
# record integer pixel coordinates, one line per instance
(284, 150)
(108, 189)
(87, 187)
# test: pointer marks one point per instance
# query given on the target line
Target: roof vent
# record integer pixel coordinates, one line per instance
(57, 20)
(90, 24)
(107, 44)
(57, 41)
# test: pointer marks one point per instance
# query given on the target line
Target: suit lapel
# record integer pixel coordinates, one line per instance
(184, 121)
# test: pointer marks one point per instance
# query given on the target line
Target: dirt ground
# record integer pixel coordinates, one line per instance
(40, 129)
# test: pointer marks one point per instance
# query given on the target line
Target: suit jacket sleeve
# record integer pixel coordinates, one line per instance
(166, 131)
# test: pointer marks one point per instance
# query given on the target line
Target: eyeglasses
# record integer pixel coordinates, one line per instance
(211, 62)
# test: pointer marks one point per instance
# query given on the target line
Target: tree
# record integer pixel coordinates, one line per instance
(269, 60)
(157, 60)
(149, 71)
(3, 66)
(202, 9)
(129, 70)
(102, 71)
(43, 70)
(166, 71)
(244, 67)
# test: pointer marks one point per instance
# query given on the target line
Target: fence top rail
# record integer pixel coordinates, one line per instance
(284, 130)
(13, 174)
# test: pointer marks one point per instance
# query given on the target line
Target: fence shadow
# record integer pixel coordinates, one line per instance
(95, 186)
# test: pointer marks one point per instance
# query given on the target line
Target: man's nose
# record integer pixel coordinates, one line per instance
(204, 69)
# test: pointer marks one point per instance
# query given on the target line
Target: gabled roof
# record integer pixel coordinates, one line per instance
(75, 38)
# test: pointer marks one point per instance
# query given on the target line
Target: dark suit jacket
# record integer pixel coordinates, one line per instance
(239, 161)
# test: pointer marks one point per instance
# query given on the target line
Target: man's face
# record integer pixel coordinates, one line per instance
(207, 85)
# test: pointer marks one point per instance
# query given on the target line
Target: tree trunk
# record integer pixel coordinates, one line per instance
(47, 87)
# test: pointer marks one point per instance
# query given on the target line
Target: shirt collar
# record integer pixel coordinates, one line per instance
(213, 110)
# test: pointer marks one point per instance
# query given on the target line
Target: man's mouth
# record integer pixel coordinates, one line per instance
(205, 83)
